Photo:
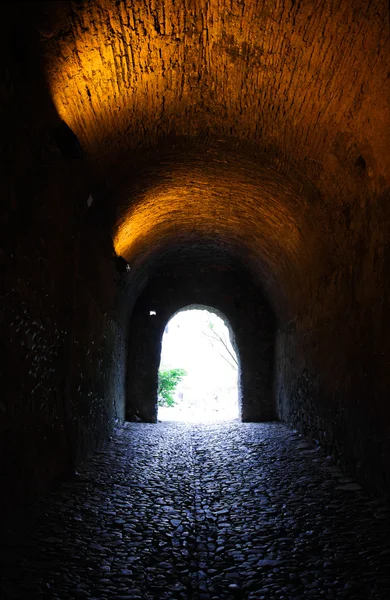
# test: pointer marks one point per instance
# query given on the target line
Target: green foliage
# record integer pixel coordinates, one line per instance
(168, 380)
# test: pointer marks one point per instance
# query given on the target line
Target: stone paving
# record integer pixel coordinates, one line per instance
(214, 511)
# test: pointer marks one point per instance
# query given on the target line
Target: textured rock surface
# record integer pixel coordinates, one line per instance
(206, 512)
(304, 77)
(58, 316)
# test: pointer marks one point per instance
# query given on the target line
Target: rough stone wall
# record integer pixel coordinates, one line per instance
(96, 360)
(57, 278)
(334, 357)
(221, 288)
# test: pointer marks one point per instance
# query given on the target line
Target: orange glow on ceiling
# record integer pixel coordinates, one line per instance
(184, 209)
(125, 74)
(107, 74)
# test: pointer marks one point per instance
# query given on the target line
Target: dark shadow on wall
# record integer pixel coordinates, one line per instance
(228, 292)
(61, 371)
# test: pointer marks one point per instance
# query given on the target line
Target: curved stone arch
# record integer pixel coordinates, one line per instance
(234, 203)
(250, 322)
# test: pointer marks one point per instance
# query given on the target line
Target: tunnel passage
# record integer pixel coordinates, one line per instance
(267, 123)
(230, 294)
(301, 253)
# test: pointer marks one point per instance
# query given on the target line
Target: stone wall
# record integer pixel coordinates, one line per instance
(61, 367)
(333, 375)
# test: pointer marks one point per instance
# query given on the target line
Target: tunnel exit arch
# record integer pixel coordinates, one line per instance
(237, 301)
(203, 364)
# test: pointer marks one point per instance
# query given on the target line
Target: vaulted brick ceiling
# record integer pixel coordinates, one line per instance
(303, 77)
(231, 109)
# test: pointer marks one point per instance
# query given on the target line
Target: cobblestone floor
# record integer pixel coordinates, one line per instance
(217, 511)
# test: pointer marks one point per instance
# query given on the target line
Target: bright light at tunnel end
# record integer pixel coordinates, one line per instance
(209, 392)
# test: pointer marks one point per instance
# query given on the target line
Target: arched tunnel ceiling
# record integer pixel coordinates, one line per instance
(303, 83)
(196, 203)
(308, 78)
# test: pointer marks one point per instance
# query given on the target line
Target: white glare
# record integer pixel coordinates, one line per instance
(198, 341)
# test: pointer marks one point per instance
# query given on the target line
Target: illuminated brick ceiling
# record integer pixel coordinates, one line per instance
(297, 92)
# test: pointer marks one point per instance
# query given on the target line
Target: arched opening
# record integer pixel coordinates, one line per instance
(242, 305)
(199, 369)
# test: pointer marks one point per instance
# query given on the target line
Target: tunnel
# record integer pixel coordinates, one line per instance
(162, 154)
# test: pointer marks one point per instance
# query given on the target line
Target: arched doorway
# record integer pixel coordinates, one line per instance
(200, 368)
(245, 308)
